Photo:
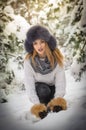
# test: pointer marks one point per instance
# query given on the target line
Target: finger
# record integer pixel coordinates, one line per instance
(43, 114)
(57, 108)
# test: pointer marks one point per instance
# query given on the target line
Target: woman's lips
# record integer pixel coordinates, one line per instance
(40, 49)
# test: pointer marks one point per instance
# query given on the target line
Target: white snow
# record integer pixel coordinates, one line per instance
(9, 10)
(13, 66)
(19, 26)
(83, 18)
(15, 114)
(55, 1)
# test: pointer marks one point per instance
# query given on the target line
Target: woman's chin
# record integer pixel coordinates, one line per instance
(41, 54)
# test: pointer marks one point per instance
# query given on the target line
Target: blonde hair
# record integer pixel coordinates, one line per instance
(52, 56)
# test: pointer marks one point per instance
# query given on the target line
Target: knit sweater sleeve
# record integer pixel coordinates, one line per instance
(60, 82)
(30, 82)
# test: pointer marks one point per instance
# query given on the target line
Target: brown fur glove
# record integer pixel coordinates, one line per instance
(39, 110)
(57, 104)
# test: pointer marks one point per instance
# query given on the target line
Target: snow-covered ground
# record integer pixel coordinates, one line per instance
(14, 115)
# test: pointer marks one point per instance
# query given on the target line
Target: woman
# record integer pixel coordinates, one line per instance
(44, 72)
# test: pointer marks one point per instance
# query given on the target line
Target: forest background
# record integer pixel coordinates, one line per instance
(66, 19)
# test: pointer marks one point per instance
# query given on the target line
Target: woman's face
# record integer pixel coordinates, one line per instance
(39, 46)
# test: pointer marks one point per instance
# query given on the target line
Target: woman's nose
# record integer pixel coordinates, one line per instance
(39, 45)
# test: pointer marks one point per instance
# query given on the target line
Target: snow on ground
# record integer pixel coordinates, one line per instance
(15, 115)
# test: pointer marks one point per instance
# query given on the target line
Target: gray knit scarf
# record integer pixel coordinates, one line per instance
(42, 65)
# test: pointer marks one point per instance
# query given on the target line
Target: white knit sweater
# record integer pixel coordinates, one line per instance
(56, 77)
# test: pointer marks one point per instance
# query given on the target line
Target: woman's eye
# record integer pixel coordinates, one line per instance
(34, 43)
(42, 41)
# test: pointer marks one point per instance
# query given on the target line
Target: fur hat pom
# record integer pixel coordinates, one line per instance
(39, 32)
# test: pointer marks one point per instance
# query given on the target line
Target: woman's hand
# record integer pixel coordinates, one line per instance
(57, 104)
(39, 110)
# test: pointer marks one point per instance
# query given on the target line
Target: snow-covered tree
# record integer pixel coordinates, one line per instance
(66, 19)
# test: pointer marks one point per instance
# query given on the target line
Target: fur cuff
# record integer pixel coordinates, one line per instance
(57, 103)
(39, 110)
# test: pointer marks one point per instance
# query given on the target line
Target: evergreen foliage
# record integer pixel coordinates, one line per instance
(65, 19)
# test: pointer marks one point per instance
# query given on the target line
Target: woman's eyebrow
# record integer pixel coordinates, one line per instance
(34, 42)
